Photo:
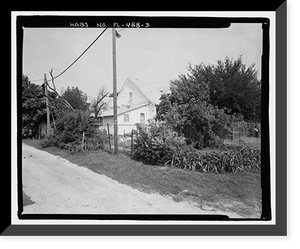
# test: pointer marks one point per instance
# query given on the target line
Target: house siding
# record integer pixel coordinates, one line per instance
(134, 118)
(136, 105)
(138, 97)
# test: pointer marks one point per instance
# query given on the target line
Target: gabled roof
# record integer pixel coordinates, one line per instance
(151, 91)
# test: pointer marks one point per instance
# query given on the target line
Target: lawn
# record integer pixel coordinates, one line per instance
(239, 193)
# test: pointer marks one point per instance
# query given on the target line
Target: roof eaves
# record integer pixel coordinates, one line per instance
(110, 112)
(138, 87)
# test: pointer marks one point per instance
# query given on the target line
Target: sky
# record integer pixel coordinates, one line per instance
(153, 55)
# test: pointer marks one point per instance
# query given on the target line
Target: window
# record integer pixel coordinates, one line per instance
(126, 117)
(142, 117)
(130, 96)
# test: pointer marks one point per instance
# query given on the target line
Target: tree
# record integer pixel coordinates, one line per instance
(189, 107)
(33, 107)
(75, 129)
(234, 86)
(98, 104)
(76, 98)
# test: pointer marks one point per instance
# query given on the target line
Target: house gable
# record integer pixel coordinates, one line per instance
(131, 95)
(136, 104)
(135, 94)
(151, 91)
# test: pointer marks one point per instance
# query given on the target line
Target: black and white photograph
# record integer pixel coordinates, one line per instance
(145, 120)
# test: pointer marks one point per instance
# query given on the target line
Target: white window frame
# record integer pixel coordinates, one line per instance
(130, 97)
(141, 117)
(125, 120)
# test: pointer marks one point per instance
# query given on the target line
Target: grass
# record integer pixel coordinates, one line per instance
(245, 141)
(26, 200)
(239, 193)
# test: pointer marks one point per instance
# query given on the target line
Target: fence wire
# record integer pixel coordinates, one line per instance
(125, 142)
(243, 132)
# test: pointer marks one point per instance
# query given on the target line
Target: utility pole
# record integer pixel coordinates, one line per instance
(47, 107)
(115, 91)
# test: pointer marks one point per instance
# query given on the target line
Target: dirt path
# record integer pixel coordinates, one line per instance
(57, 186)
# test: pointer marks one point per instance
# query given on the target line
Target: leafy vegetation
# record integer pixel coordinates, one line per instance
(234, 86)
(75, 132)
(76, 98)
(156, 144)
(33, 108)
(230, 159)
(160, 145)
(203, 103)
(198, 113)
(72, 127)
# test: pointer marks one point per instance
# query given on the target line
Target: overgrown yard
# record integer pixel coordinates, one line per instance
(239, 193)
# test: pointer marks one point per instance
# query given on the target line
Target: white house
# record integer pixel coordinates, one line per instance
(136, 104)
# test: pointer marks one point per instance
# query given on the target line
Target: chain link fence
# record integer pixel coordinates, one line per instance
(243, 133)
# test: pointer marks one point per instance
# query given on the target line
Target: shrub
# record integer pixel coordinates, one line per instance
(46, 143)
(70, 128)
(147, 149)
(156, 144)
(97, 141)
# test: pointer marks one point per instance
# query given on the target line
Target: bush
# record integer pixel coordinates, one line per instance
(97, 141)
(70, 128)
(91, 143)
(156, 144)
(46, 143)
(27, 132)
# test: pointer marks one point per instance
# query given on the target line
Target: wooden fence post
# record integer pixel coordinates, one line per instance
(124, 140)
(108, 137)
(131, 142)
(82, 142)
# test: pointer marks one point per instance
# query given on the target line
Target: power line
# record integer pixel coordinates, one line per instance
(120, 30)
(75, 59)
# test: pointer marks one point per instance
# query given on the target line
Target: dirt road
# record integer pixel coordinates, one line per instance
(57, 186)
